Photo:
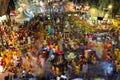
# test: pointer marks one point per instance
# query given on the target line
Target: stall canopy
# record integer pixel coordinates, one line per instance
(6, 6)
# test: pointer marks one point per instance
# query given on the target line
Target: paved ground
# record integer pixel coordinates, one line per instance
(2, 75)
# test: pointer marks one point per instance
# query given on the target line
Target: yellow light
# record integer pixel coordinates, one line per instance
(110, 7)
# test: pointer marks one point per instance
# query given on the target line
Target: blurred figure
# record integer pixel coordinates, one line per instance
(85, 69)
(118, 70)
(1, 64)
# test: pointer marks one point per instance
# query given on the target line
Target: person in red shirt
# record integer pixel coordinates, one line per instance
(1, 64)
(107, 57)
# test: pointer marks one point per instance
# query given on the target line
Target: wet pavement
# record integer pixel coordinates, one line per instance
(98, 70)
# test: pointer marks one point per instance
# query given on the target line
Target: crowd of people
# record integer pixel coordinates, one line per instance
(55, 48)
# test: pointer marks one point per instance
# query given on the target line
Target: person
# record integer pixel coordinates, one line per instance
(107, 57)
(118, 71)
(1, 64)
(93, 59)
(32, 78)
(6, 77)
(16, 77)
(111, 59)
(85, 69)
(63, 77)
(24, 74)
(81, 63)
